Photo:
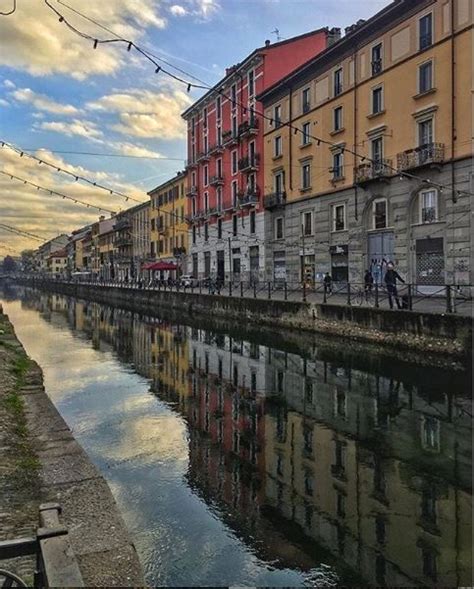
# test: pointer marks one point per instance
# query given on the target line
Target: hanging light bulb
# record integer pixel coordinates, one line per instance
(129, 46)
(189, 87)
(158, 68)
(96, 42)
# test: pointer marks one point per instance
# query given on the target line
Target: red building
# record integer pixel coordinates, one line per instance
(225, 153)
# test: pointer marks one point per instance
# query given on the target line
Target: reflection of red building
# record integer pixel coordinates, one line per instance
(232, 420)
(225, 157)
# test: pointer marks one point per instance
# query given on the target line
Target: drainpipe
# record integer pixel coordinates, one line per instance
(356, 200)
(453, 134)
(290, 135)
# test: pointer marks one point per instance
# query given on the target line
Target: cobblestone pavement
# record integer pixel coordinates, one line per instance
(19, 489)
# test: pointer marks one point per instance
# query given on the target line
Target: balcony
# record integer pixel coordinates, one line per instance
(425, 155)
(376, 67)
(228, 138)
(122, 224)
(274, 200)
(192, 191)
(203, 156)
(249, 163)
(162, 229)
(191, 164)
(249, 127)
(179, 251)
(216, 149)
(215, 211)
(249, 197)
(373, 171)
(217, 180)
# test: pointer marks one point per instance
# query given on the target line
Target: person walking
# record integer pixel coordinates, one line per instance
(327, 280)
(368, 284)
(391, 277)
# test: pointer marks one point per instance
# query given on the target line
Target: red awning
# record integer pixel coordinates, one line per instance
(160, 266)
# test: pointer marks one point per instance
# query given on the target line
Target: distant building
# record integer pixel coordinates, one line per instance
(42, 254)
(57, 264)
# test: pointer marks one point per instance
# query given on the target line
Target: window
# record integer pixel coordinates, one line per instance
(219, 229)
(279, 228)
(426, 31)
(337, 165)
(219, 108)
(234, 193)
(206, 175)
(252, 221)
(251, 83)
(219, 168)
(277, 115)
(279, 181)
(204, 118)
(206, 202)
(428, 206)
(425, 132)
(337, 118)
(339, 217)
(379, 214)
(377, 59)
(338, 82)
(219, 198)
(306, 134)
(377, 153)
(307, 223)
(233, 95)
(377, 100)
(425, 77)
(194, 234)
(206, 231)
(305, 176)
(234, 162)
(306, 100)
(234, 225)
(277, 146)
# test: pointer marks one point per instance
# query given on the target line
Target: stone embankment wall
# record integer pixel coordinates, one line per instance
(437, 333)
(42, 462)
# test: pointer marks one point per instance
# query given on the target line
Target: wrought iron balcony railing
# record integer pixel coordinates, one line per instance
(373, 171)
(249, 163)
(430, 153)
(274, 200)
(249, 127)
(217, 180)
(249, 197)
(192, 191)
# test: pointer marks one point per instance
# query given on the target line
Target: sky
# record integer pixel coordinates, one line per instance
(59, 94)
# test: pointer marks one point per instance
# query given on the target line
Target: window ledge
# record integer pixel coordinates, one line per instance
(374, 230)
(428, 224)
(376, 114)
(338, 180)
(339, 230)
(302, 190)
(277, 157)
(337, 131)
(303, 145)
(425, 93)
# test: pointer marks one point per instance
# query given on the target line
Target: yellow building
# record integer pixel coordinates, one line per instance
(168, 227)
(394, 90)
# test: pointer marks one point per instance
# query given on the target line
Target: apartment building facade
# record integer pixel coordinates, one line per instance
(394, 90)
(225, 161)
(168, 226)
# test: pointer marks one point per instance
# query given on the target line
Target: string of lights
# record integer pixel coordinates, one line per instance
(203, 86)
(74, 175)
(23, 233)
(56, 193)
(97, 154)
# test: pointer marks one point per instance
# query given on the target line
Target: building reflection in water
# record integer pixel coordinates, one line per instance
(306, 457)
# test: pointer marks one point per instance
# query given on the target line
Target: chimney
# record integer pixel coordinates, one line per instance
(267, 42)
(334, 35)
(102, 218)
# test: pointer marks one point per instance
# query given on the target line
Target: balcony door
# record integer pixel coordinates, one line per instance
(380, 251)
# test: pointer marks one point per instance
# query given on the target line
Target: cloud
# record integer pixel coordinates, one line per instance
(136, 150)
(207, 8)
(8, 84)
(178, 10)
(26, 208)
(144, 113)
(33, 40)
(42, 102)
(76, 127)
(4, 102)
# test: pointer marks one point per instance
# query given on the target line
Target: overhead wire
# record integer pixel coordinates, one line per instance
(190, 85)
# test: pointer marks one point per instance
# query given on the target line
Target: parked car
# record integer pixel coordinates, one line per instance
(187, 280)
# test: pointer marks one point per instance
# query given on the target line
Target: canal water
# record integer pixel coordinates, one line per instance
(248, 458)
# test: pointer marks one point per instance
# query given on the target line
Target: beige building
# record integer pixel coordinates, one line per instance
(395, 91)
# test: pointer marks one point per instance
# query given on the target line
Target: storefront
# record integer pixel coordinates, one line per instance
(279, 266)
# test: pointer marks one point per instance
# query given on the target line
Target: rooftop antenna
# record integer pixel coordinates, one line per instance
(277, 33)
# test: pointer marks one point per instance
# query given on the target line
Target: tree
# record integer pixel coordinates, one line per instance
(9, 264)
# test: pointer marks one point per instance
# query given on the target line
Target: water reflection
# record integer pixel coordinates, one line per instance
(338, 472)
